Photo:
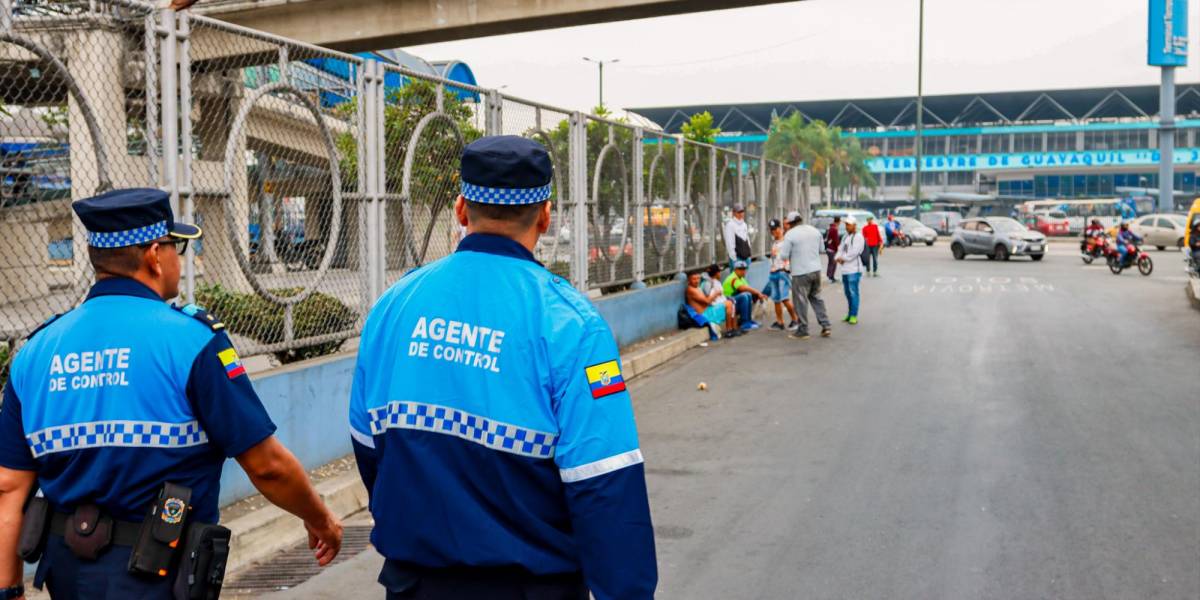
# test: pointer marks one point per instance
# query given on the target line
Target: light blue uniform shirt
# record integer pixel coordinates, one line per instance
(493, 429)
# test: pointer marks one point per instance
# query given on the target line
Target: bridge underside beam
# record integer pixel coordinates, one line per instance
(358, 25)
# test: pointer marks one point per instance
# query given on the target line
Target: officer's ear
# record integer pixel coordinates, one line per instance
(543, 220)
(460, 210)
(151, 262)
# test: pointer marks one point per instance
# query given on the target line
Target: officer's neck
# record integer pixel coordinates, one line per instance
(145, 279)
(528, 237)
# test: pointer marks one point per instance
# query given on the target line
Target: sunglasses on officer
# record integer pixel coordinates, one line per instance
(180, 244)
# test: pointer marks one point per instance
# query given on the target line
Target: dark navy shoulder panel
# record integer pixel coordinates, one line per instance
(44, 325)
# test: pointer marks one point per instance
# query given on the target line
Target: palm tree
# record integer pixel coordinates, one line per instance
(791, 140)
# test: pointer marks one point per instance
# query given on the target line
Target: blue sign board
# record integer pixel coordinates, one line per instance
(1029, 160)
(1168, 44)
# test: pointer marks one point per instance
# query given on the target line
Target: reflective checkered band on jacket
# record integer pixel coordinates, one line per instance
(473, 428)
(490, 195)
(135, 434)
(129, 237)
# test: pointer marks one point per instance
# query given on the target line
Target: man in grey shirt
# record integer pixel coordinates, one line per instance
(802, 245)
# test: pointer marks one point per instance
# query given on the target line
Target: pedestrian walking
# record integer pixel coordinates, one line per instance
(849, 256)
(126, 407)
(802, 246)
(832, 240)
(737, 236)
(874, 245)
(491, 422)
(779, 282)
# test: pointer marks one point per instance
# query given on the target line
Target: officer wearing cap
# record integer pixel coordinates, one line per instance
(490, 417)
(109, 403)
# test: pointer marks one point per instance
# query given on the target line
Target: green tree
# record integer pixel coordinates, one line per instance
(434, 181)
(838, 162)
(699, 128)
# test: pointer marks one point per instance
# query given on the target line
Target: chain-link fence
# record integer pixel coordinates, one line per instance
(319, 177)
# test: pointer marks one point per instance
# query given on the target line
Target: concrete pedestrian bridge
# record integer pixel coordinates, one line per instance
(357, 25)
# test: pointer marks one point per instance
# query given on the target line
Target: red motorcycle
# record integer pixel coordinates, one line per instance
(1093, 247)
(1134, 256)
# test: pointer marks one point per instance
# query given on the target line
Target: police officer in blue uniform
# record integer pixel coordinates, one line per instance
(490, 418)
(125, 403)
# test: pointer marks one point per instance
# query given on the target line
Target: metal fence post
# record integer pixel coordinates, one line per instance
(170, 106)
(185, 134)
(579, 193)
(680, 204)
(639, 208)
(761, 198)
(379, 181)
(785, 203)
(713, 205)
(494, 124)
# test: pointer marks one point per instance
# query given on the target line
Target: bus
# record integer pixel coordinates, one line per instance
(1110, 211)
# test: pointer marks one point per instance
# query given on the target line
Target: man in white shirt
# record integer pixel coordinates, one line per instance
(802, 246)
(849, 257)
(737, 236)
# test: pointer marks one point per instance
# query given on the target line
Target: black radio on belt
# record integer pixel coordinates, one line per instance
(161, 531)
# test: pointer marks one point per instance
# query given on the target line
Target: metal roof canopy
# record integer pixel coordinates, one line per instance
(958, 109)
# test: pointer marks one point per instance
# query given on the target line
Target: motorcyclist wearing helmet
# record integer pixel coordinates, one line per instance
(1094, 234)
(1126, 239)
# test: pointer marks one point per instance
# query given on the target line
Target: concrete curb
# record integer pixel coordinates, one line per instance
(1193, 292)
(646, 359)
(261, 533)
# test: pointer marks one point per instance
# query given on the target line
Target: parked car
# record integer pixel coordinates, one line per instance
(942, 221)
(918, 231)
(1048, 222)
(998, 238)
(824, 217)
(1161, 230)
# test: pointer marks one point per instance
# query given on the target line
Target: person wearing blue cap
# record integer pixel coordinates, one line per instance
(491, 423)
(123, 411)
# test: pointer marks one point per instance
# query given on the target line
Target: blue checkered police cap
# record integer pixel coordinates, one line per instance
(129, 217)
(506, 169)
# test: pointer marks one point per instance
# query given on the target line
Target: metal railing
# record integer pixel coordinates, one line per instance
(319, 177)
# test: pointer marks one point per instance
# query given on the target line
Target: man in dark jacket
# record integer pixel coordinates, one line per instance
(832, 241)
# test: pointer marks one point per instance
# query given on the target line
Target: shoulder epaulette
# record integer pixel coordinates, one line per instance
(201, 315)
(44, 324)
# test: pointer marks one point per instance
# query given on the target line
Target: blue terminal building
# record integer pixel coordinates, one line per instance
(1010, 146)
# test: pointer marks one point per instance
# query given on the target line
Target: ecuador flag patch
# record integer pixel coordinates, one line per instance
(605, 379)
(231, 362)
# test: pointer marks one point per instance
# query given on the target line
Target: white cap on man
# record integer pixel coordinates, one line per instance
(850, 220)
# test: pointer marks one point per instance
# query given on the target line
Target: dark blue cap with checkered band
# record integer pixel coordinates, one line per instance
(129, 217)
(506, 169)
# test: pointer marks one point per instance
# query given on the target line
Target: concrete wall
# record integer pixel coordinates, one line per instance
(309, 401)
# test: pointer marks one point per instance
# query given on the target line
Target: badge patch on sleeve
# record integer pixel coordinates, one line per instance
(605, 379)
(231, 362)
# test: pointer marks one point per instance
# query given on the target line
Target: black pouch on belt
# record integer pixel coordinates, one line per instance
(158, 538)
(88, 532)
(202, 566)
(35, 527)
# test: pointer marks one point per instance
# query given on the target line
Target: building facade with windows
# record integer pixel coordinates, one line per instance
(1045, 144)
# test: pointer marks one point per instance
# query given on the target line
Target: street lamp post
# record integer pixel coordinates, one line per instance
(600, 63)
(920, 99)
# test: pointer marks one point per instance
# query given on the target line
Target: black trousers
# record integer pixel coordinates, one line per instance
(409, 582)
(68, 577)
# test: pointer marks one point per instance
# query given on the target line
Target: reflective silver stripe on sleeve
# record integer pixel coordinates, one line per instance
(362, 438)
(602, 466)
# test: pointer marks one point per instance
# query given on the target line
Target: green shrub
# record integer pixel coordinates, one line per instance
(5, 359)
(256, 317)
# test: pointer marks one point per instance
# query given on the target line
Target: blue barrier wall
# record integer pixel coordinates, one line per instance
(309, 401)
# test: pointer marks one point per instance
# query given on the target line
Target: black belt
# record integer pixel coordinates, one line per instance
(125, 533)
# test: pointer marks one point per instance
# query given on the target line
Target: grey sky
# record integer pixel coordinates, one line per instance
(826, 49)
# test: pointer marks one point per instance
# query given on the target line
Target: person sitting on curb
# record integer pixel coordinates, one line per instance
(744, 296)
(779, 284)
(710, 310)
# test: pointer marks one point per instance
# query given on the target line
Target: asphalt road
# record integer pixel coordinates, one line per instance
(989, 430)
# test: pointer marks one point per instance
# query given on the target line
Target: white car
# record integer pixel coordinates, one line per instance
(1161, 230)
(918, 231)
